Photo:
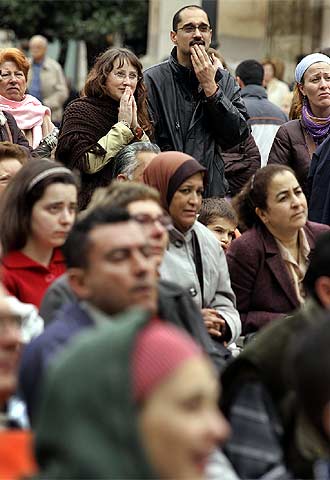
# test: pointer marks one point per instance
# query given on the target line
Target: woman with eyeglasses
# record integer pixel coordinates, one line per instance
(267, 264)
(30, 116)
(111, 113)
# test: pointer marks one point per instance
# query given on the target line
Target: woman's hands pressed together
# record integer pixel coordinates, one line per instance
(128, 109)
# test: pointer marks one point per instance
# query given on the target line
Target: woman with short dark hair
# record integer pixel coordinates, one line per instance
(111, 113)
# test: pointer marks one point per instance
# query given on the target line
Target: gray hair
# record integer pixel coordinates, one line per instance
(125, 162)
(40, 39)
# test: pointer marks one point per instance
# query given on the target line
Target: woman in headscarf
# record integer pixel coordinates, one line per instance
(148, 410)
(193, 258)
(297, 140)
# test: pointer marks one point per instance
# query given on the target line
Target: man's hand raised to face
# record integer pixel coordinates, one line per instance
(204, 69)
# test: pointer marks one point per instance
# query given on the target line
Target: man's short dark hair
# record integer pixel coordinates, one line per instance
(319, 264)
(250, 72)
(177, 16)
(76, 247)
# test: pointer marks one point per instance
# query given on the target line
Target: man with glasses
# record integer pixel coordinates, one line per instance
(196, 108)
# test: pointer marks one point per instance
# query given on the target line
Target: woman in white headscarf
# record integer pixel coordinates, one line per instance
(296, 140)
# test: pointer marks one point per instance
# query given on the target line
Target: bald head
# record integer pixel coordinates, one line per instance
(38, 47)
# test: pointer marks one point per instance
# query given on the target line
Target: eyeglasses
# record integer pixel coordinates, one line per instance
(134, 77)
(190, 28)
(149, 221)
(8, 75)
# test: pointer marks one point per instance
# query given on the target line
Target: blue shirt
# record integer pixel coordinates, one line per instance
(35, 87)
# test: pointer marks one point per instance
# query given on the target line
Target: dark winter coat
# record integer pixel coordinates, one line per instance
(187, 121)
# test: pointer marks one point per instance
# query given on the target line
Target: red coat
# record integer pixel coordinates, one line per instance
(28, 280)
(259, 277)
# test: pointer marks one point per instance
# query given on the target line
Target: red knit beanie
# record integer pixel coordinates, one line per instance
(160, 349)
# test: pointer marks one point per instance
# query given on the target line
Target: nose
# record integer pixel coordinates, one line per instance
(218, 429)
(127, 81)
(197, 32)
(323, 82)
(225, 238)
(140, 263)
(157, 229)
(193, 198)
(295, 200)
(67, 216)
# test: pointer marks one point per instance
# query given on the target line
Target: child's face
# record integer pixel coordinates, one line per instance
(224, 230)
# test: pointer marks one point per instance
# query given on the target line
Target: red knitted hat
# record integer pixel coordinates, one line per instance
(160, 349)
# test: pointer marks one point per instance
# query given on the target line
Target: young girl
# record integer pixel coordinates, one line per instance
(37, 211)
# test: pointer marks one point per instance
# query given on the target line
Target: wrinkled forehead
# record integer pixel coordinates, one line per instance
(316, 68)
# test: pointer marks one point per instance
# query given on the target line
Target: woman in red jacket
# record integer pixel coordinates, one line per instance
(37, 211)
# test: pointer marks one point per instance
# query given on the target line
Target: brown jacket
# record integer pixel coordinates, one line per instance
(241, 162)
(259, 277)
(292, 146)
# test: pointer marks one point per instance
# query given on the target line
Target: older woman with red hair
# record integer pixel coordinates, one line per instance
(33, 118)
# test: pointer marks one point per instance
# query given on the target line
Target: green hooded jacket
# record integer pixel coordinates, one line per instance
(87, 427)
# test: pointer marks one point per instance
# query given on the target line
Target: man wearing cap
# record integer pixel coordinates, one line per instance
(195, 107)
(265, 117)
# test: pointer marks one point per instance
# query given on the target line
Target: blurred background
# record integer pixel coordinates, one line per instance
(242, 29)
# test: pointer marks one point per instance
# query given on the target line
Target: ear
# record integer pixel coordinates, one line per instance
(322, 289)
(121, 177)
(240, 82)
(173, 37)
(326, 419)
(301, 88)
(262, 215)
(77, 282)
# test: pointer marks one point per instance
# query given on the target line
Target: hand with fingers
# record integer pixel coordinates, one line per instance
(134, 123)
(214, 323)
(204, 69)
(126, 107)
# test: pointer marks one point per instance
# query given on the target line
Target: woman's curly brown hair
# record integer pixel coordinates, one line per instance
(95, 85)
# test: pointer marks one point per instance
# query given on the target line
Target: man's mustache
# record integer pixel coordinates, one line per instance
(196, 42)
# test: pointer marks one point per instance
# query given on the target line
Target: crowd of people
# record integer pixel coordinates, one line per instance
(165, 266)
